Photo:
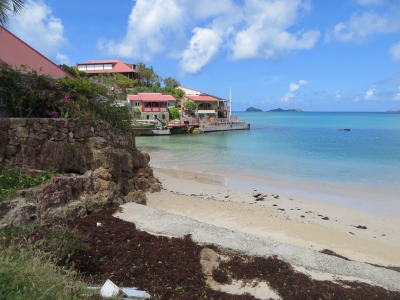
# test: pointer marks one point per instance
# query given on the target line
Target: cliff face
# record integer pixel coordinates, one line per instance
(102, 164)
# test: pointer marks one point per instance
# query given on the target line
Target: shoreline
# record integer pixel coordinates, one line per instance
(285, 218)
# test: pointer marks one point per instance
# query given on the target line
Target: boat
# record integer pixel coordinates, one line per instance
(344, 129)
(144, 124)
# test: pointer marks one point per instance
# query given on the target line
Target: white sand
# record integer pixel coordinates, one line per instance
(206, 199)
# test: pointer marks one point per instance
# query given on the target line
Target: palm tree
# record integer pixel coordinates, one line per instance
(9, 6)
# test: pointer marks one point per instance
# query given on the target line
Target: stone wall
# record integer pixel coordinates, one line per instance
(102, 164)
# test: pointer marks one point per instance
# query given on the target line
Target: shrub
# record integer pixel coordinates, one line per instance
(174, 113)
(190, 105)
(28, 95)
(13, 178)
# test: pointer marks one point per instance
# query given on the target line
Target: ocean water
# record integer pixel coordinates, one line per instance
(302, 152)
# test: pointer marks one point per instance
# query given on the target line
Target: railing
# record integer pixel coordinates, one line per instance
(154, 109)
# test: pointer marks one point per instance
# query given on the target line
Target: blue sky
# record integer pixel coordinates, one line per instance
(324, 55)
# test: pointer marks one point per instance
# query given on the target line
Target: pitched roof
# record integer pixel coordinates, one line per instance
(118, 66)
(15, 52)
(153, 97)
(201, 98)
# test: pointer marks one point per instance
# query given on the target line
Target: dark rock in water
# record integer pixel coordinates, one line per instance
(361, 227)
(325, 218)
(252, 109)
(285, 110)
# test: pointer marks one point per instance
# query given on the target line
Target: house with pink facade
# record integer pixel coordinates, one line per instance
(152, 104)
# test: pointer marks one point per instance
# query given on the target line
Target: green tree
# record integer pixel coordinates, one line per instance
(190, 105)
(147, 76)
(7, 7)
(174, 113)
(171, 82)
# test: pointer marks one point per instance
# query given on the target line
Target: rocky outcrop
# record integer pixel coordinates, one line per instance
(102, 164)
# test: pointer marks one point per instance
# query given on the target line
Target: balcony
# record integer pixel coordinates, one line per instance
(154, 109)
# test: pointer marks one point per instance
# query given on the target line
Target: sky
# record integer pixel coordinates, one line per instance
(316, 55)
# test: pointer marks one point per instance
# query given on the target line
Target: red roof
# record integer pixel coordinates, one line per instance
(201, 98)
(134, 98)
(118, 66)
(15, 52)
(153, 97)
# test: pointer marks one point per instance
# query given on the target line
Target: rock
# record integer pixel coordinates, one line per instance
(197, 131)
(17, 212)
(137, 197)
(102, 164)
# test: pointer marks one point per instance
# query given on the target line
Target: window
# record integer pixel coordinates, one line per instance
(163, 116)
(82, 68)
(98, 67)
(107, 66)
(90, 67)
(137, 104)
(147, 117)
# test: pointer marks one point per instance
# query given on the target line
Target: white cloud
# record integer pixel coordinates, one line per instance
(39, 28)
(337, 95)
(266, 33)
(395, 52)
(182, 29)
(369, 95)
(295, 86)
(356, 99)
(62, 59)
(292, 88)
(287, 97)
(363, 25)
(202, 48)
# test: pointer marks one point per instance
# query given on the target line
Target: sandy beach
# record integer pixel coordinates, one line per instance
(265, 224)
(286, 219)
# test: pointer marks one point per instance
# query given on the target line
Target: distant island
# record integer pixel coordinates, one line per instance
(394, 111)
(285, 110)
(252, 109)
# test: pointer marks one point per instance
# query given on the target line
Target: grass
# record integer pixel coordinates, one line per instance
(29, 271)
(13, 179)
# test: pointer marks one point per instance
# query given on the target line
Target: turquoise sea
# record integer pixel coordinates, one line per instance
(298, 153)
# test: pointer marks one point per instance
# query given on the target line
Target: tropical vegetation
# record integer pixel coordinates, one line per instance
(27, 94)
(7, 7)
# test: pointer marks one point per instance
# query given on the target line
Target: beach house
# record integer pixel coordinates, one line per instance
(209, 107)
(97, 67)
(151, 105)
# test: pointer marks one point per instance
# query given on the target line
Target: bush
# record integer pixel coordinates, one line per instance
(190, 105)
(13, 178)
(29, 95)
(174, 113)
(137, 113)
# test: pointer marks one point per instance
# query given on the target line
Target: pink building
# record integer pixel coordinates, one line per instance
(152, 104)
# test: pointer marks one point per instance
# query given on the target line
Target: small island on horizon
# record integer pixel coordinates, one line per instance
(394, 111)
(285, 110)
(252, 109)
